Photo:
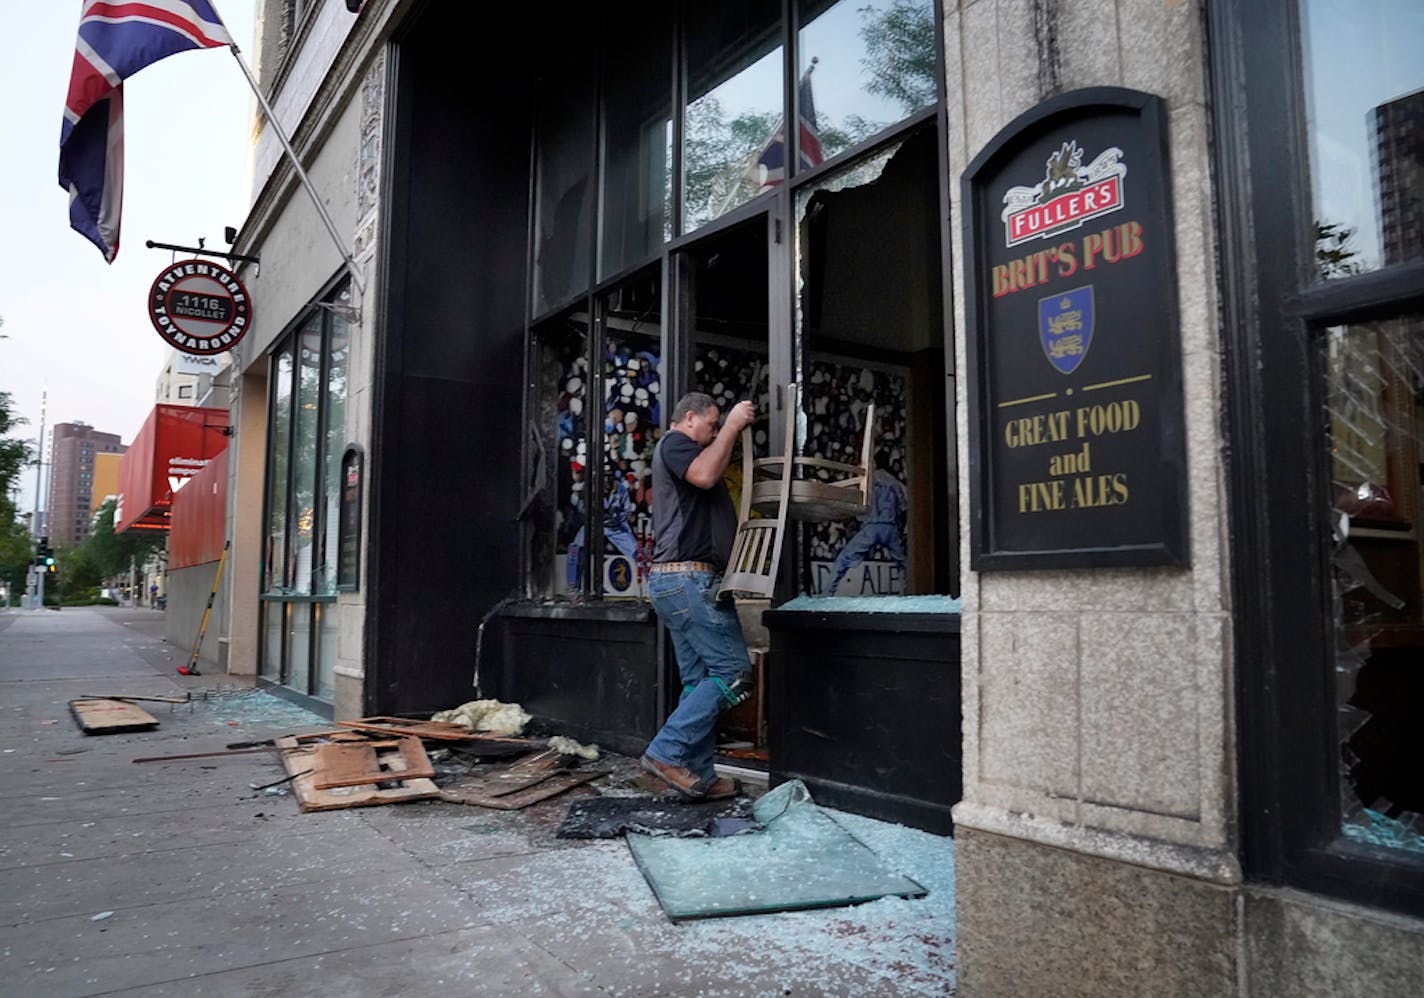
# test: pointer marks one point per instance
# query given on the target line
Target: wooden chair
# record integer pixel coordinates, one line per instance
(788, 487)
(756, 551)
(821, 489)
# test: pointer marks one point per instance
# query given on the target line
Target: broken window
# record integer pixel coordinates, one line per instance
(870, 313)
(1375, 409)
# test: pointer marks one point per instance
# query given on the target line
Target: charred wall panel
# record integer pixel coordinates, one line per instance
(448, 362)
(865, 708)
(593, 679)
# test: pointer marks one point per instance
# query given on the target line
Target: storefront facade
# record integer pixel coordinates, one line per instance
(1140, 762)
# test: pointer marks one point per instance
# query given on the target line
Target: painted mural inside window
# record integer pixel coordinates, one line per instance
(618, 411)
(1375, 409)
(632, 406)
(868, 556)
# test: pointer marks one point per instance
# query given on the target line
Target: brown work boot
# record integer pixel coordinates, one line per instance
(680, 778)
(721, 787)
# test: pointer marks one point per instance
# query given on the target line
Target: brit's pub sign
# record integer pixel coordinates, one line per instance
(1076, 447)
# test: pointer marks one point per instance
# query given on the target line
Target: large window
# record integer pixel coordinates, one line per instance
(307, 427)
(871, 321)
(1321, 187)
(597, 413)
(762, 254)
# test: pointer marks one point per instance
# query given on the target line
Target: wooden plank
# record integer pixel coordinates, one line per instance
(134, 696)
(350, 764)
(297, 757)
(107, 717)
(550, 786)
(435, 730)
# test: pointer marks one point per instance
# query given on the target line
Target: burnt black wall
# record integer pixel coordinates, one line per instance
(448, 368)
(865, 708)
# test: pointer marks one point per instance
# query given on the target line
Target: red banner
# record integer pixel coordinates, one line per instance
(175, 444)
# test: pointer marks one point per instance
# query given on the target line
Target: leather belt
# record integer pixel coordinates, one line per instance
(683, 566)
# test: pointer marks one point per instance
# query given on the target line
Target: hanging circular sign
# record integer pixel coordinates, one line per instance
(199, 307)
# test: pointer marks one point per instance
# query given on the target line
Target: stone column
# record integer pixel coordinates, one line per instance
(1095, 843)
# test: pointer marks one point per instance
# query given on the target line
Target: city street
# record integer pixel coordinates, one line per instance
(178, 878)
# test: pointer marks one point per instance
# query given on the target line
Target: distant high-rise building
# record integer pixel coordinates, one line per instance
(74, 449)
(1398, 128)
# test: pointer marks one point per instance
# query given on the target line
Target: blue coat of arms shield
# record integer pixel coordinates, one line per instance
(1065, 327)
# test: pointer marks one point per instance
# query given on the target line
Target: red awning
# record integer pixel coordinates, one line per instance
(199, 518)
(176, 443)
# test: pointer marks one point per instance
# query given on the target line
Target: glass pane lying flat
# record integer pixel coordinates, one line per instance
(802, 859)
(1366, 131)
(864, 65)
(1375, 413)
(734, 109)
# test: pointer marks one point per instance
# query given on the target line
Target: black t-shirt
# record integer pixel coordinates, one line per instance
(691, 524)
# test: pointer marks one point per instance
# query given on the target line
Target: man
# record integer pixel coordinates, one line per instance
(695, 524)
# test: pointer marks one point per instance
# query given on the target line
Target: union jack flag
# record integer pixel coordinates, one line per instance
(770, 165)
(116, 40)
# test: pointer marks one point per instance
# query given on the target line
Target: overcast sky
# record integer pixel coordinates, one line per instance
(71, 321)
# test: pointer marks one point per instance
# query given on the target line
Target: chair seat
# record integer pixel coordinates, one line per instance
(811, 501)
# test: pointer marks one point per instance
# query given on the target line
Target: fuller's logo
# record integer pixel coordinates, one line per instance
(1065, 327)
(1069, 195)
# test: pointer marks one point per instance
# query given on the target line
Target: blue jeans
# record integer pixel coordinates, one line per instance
(711, 653)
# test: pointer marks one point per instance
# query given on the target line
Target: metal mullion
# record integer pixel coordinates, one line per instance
(679, 107)
(595, 228)
(294, 343)
(530, 401)
(946, 288)
(1352, 299)
(790, 90)
(593, 431)
(743, 212)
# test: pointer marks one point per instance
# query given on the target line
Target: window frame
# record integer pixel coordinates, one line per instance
(283, 601)
(1273, 315)
(777, 207)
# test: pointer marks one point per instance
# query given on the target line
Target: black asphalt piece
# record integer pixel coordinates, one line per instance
(610, 817)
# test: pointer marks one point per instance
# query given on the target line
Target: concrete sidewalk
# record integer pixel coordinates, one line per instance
(217, 890)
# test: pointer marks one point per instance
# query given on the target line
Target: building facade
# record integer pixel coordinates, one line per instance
(76, 466)
(1168, 775)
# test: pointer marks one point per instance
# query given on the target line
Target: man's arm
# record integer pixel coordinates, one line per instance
(707, 467)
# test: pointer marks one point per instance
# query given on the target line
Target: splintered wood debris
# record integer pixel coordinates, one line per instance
(392, 780)
(520, 784)
(433, 730)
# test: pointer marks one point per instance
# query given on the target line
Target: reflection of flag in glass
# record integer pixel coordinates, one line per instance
(770, 165)
(116, 40)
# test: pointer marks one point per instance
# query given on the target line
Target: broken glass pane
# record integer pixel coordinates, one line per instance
(1375, 412)
(803, 859)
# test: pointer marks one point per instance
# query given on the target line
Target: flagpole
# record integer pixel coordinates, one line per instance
(281, 134)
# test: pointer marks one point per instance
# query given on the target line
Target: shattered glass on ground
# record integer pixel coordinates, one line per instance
(801, 859)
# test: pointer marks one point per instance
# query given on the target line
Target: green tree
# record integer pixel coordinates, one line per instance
(111, 554)
(78, 573)
(900, 52)
(16, 551)
(1334, 256)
